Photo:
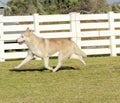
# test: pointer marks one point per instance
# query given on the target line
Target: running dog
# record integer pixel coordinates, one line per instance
(44, 47)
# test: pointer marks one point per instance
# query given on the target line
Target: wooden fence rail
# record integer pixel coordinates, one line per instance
(96, 34)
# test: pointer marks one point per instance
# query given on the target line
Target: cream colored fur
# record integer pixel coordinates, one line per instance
(43, 48)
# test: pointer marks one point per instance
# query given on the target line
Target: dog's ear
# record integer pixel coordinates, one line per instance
(28, 30)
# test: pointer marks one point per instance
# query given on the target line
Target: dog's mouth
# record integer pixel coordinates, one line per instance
(21, 42)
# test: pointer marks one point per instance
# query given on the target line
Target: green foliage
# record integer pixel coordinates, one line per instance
(98, 82)
(116, 7)
(90, 6)
(57, 6)
(24, 7)
(82, 6)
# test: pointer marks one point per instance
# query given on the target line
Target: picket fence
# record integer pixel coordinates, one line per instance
(96, 34)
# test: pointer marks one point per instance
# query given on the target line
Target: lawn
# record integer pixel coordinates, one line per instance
(98, 82)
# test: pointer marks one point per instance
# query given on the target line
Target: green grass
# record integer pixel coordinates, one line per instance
(98, 82)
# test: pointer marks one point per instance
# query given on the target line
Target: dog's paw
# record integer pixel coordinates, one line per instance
(16, 67)
(50, 68)
(54, 70)
(85, 64)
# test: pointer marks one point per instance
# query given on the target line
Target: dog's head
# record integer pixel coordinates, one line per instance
(24, 36)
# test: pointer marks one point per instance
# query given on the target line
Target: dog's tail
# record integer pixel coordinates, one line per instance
(78, 51)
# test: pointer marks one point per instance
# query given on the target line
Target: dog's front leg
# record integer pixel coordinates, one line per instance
(60, 60)
(28, 58)
(46, 62)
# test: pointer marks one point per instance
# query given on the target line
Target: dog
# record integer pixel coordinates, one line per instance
(44, 47)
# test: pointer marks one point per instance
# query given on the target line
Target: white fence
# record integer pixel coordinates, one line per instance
(96, 34)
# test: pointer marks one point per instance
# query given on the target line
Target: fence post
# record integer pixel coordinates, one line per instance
(112, 37)
(36, 28)
(36, 24)
(78, 30)
(75, 27)
(1, 40)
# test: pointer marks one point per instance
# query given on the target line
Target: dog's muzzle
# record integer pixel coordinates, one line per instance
(20, 42)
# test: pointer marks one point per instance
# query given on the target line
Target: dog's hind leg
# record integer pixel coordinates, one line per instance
(81, 59)
(73, 56)
(79, 53)
(46, 62)
(62, 56)
(27, 59)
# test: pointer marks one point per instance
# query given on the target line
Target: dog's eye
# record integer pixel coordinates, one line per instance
(22, 36)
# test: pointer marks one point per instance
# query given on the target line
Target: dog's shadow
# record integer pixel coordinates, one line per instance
(43, 69)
